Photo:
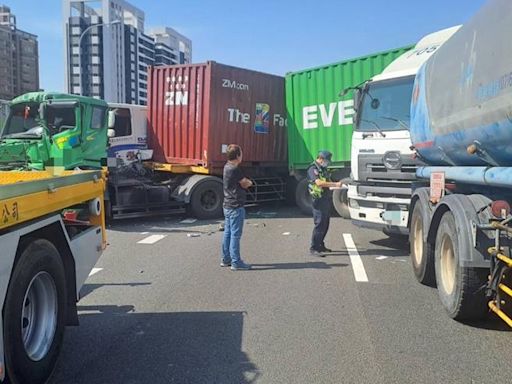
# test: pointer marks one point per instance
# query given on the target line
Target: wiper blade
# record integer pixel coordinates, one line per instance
(379, 129)
(401, 122)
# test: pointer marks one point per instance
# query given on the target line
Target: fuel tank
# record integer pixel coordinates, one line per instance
(461, 109)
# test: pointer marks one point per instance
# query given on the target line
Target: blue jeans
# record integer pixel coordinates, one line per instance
(233, 226)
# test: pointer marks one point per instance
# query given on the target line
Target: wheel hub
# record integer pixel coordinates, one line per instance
(418, 241)
(448, 264)
(209, 200)
(39, 316)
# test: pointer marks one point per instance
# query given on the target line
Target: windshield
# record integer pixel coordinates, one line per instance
(386, 105)
(22, 118)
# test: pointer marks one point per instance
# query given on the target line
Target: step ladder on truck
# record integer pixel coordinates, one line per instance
(52, 232)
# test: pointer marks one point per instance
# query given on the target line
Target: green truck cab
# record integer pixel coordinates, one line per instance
(46, 129)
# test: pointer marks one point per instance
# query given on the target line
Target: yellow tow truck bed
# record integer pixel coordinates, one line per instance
(28, 195)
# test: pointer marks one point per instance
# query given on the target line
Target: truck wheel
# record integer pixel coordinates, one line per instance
(460, 288)
(422, 252)
(291, 187)
(340, 201)
(34, 314)
(303, 198)
(108, 211)
(206, 201)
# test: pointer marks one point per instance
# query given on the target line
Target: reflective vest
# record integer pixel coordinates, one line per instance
(315, 191)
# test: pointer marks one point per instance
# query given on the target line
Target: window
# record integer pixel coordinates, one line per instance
(123, 123)
(60, 119)
(22, 118)
(98, 118)
(386, 105)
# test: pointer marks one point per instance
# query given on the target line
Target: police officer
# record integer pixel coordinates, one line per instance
(319, 183)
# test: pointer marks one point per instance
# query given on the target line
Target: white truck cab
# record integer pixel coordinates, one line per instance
(130, 140)
(382, 163)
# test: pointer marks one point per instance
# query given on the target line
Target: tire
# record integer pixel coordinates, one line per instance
(422, 252)
(340, 202)
(108, 211)
(303, 198)
(291, 187)
(37, 298)
(459, 288)
(206, 200)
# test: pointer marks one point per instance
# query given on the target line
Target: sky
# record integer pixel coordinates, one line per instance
(274, 36)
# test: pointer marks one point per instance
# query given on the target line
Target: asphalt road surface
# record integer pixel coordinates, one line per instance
(159, 309)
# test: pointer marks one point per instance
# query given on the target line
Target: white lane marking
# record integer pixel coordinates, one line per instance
(381, 258)
(95, 271)
(151, 239)
(355, 259)
(144, 233)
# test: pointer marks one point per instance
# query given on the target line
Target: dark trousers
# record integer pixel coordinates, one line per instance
(321, 219)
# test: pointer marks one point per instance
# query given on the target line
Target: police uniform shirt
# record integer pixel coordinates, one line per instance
(315, 172)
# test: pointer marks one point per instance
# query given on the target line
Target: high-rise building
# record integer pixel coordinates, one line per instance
(171, 47)
(19, 58)
(107, 51)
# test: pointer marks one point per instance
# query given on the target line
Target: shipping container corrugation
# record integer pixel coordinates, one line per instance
(195, 111)
(318, 118)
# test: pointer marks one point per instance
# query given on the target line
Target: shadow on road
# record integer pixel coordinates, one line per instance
(308, 265)
(118, 345)
(87, 289)
(491, 323)
(392, 243)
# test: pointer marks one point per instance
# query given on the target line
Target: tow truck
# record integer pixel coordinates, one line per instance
(52, 232)
(52, 224)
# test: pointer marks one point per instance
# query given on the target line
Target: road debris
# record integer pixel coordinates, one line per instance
(188, 221)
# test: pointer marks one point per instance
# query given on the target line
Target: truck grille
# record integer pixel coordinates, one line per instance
(373, 169)
(377, 179)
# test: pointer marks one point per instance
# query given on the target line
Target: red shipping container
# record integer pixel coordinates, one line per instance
(195, 111)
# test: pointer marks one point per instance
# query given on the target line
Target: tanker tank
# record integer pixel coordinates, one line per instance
(461, 110)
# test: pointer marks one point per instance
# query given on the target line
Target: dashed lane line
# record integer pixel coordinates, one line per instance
(94, 271)
(355, 259)
(151, 239)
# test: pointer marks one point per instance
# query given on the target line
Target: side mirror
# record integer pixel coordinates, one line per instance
(111, 133)
(111, 118)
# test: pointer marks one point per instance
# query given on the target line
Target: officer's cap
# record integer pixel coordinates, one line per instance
(326, 155)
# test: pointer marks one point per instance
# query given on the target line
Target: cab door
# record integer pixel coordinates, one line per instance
(94, 135)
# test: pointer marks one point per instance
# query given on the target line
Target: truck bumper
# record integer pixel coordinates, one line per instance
(387, 214)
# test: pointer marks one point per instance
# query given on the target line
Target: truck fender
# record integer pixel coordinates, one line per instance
(185, 190)
(473, 244)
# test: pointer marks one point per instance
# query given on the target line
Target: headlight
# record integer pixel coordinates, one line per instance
(353, 203)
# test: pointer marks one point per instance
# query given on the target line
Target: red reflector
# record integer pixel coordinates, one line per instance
(500, 208)
(70, 215)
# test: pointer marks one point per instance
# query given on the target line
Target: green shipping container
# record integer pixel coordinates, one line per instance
(317, 117)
